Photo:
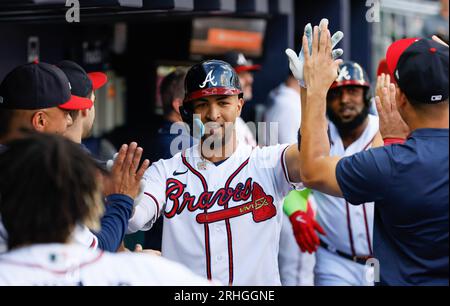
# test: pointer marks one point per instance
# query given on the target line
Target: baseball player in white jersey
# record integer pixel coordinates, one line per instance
(75, 265)
(42, 253)
(344, 250)
(341, 259)
(296, 267)
(221, 201)
(245, 69)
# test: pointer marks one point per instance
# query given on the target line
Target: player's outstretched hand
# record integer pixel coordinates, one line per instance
(126, 174)
(391, 123)
(296, 62)
(320, 69)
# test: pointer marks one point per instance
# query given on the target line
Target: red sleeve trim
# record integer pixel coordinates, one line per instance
(154, 200)
(286, 175)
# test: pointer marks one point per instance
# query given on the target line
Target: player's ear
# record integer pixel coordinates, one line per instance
(39, 121)
(400, 99)
(176, 103)
(240, 105)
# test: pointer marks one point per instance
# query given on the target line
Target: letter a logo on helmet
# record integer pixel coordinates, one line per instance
(205, 79)
(209, 79)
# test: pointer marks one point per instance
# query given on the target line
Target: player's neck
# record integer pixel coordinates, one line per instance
(74, 132)
(218, 154)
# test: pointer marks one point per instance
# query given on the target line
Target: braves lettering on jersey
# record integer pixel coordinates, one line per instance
(223, 222)
(349, 228)
(75, 265)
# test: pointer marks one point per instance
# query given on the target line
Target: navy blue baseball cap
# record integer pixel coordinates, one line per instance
(82, 83)
(420, 68)
(239, 62)
(39, 86)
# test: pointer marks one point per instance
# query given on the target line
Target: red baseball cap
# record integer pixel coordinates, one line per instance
(82, 83)
(98, 79)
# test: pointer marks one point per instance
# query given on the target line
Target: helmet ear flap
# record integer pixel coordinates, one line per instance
(367, 95)
(184, 114)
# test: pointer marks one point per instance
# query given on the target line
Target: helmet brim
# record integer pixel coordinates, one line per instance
(216, 91)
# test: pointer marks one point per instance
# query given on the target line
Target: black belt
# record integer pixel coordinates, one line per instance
(358, 259)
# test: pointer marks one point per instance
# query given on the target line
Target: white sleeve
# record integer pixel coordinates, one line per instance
(83, 236)
(274, 160)
(149, 205)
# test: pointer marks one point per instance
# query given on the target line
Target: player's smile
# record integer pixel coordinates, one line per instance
(217, 113)
(213, 128)
(348, 112)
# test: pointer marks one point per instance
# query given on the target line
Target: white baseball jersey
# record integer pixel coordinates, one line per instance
(296, 268)
(75, 265)
(243, 133)
(223, 222)
(81, 235)
(349, 228)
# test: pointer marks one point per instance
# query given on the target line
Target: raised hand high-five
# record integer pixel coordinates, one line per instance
(126, 174)
(392, 125)
(296, 62)
(320, 68)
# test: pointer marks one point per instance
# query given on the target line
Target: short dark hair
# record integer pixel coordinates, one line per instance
(172, 87)
(6, 117)
(47, 186)
(75, 113)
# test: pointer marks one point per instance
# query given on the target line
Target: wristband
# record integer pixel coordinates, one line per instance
(388, 141)
(295, 201)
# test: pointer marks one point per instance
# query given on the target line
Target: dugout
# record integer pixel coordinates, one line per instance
(136, 41)
(131, 39)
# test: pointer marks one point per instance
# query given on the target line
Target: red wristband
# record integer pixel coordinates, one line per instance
(389, 141)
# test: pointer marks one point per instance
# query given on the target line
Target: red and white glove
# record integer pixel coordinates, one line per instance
(305, 227)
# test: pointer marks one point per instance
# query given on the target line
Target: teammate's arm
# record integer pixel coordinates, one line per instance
(120, 188)
(296, 64)
(318, 169)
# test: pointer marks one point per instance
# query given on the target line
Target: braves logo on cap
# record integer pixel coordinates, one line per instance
(343, 74)
(241, 60)
(209, 79)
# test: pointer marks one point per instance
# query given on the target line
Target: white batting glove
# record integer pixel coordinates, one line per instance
(296, 62)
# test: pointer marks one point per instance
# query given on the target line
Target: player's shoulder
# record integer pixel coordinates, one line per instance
(164, 166)
(269, 156)
(273, 150)
(157, 270)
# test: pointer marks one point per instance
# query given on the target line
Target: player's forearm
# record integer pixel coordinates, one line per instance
(315, 144)
(145, 214)
(114, 222)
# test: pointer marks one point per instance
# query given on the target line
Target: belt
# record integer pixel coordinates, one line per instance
(358, 259)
